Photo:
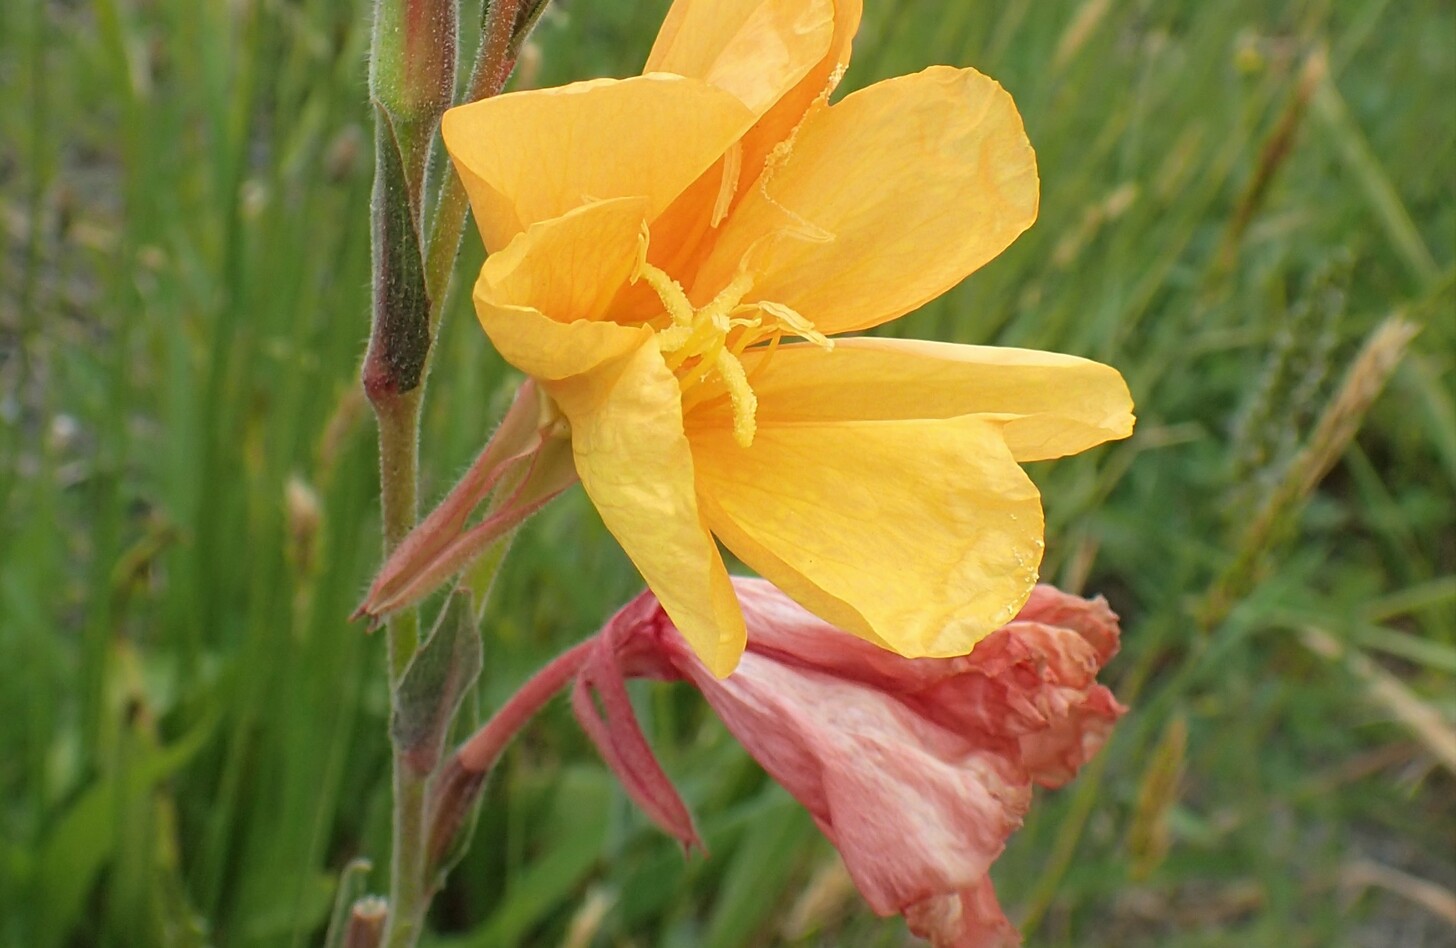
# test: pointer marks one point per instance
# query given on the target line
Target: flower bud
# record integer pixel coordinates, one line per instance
(454, 798)
(412, 69)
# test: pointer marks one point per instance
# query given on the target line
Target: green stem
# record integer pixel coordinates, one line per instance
(408, 897)
(399, 424)
(399, 460)
(398, 413)
(394, 380)
(395, 375)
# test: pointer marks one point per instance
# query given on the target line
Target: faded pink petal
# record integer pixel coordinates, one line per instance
(913, 807)
(916, 769)
(613, 728)
(971, 918)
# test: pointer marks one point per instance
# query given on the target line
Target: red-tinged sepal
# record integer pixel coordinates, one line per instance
(526, 463)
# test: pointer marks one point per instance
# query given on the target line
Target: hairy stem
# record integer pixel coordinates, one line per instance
(399, 423)
(397, 407)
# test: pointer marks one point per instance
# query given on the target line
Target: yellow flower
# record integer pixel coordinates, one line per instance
(653, 239)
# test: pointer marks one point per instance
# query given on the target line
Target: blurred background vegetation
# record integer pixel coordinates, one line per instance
(1247, 206)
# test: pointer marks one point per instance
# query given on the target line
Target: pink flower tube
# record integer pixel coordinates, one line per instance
(916, 769)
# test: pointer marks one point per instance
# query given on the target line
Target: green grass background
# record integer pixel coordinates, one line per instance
(192, 737)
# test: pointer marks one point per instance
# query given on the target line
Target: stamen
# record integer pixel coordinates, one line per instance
(673, 338)
(697, 344)
(728, 186)
(796, 325)
(674, 299)
(679, 307)
(720, 306)
(745, 403)
(773, 346)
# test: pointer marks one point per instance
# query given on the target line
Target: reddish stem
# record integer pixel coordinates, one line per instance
(493, 64)
(484, 748)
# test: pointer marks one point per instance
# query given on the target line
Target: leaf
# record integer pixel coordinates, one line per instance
(399, 340)
(434, 683)
(84, 840)
(752, 888)
(583, 796)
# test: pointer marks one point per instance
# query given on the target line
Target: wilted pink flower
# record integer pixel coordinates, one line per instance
(916, 769)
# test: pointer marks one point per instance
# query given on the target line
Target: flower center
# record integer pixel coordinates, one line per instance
(700, 343)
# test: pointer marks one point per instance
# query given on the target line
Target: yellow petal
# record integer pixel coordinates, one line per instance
(811, 92)
(915, 182)
(755, 49)
(543, 299)
(530, 156)
(573, 266)
(921, 535)
(636, 465)
(680, 232)
(1049, 405)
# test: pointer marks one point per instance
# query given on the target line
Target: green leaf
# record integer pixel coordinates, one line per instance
(84, 840)
(755, 882)
(435, 682)
(399, 338)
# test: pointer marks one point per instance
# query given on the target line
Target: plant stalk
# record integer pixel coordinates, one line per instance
(412, 281)
(399, 420)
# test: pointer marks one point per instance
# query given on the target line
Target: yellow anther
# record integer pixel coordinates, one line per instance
(674, 338)
(701, 342)
(745, 403)
(697, 344)
(794, 323)
(679, 307)
(722, 305)
(674, 299)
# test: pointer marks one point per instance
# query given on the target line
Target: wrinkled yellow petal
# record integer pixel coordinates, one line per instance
(909, 185)
(811, 92)
(755, 49)
(921, 535)
(542, 299)
(682, 229)
(1049, 405)
(530, 156)
(636, 465)
(573, 266)
(551, 351)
